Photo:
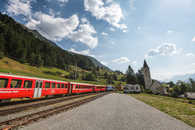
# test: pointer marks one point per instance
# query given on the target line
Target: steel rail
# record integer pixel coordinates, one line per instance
(14, 123)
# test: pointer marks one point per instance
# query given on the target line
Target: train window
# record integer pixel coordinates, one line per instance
(15, 83)
(3, 83)
(47, 85)
(58, 85)
(63, 86)
(66, 86)
(41, 84)
(27, 84)
(53, 85)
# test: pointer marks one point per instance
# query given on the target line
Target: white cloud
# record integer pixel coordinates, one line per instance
(108, 1)
(51, 12)
(139, 28)
(166, 49)
(104, 63)
(112, 29)
(193, 39)
(104, 34)
(132, 4)
(190, 54)
(63, 1)
(121, 60)
(85, 34)
(134, 62)
(112, 13)
(112, 42)
(84, 20)
(53, 28)
(57, 28)
(18, 7)
(176, 4)
(83, 52)
(170, 31)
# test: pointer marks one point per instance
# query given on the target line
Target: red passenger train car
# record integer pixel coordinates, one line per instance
(78, 88)
(12, 86)
(100, 88)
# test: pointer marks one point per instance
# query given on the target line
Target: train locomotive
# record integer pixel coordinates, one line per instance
(12, 86)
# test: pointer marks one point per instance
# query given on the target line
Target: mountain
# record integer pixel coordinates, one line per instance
(184, 77)
(40, 37)
(99, 64)
(29, 46)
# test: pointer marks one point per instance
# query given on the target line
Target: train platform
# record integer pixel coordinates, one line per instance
(111, 112)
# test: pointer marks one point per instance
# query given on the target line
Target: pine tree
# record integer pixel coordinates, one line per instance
(140, 78)
(131, 77)
(2, 43)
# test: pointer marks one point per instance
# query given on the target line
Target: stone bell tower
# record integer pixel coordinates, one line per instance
(147, 76)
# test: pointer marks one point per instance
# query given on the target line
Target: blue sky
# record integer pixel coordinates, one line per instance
(117, 32)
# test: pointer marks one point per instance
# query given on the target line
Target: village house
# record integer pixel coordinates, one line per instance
(129, 88)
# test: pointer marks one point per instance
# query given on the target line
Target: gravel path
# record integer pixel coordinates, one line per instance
(35, 110)
(111, 112)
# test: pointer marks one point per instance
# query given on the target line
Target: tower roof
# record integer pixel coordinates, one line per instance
(145, 64)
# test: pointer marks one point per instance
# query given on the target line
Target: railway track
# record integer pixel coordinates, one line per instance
(23, 120)
(22, 107)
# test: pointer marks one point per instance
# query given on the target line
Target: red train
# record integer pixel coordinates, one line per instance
(12, 86)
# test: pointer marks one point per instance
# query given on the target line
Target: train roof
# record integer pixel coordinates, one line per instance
(28, 77)
(86, 84)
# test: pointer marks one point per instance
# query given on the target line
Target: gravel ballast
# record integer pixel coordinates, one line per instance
(111, 112)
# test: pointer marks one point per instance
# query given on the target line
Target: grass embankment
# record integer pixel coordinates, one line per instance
(8, 65)
(176, 107)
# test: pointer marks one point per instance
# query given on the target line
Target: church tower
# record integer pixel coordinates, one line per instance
(147, 76)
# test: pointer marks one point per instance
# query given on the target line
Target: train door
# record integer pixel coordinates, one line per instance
(70, 88)
(38, 89)
(93, 89)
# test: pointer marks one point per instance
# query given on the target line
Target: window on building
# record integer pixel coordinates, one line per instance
(27, 84)
(3, 82)
(16, 83)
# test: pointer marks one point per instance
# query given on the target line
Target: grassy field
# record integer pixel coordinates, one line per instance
(8, 65)
(176, 107)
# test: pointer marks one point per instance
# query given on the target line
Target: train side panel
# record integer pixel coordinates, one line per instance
(12, 86)
(54, 88)
(15, 87)
(81, 88)
(100, 88)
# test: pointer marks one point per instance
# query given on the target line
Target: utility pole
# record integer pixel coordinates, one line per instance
(75, 74)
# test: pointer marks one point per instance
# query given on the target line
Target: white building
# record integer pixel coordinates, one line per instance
(129, 88)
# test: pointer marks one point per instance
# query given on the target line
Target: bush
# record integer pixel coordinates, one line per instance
(1, 54)
(89, 77)
(175, 91)
(148, 91)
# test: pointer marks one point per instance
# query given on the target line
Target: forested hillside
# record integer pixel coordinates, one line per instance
(19, 43)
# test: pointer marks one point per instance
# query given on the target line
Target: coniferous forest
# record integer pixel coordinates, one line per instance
(19, 43)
